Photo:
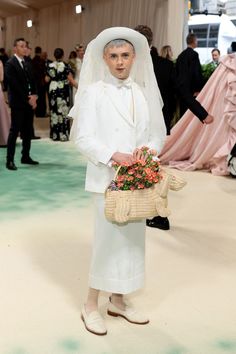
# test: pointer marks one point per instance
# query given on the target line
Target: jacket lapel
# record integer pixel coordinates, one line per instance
(118, 104)
(18, 67)
(141, 115)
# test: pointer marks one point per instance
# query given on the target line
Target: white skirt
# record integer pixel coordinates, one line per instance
(118, 258)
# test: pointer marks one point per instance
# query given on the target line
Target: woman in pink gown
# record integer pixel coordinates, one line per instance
(193, 145)
(4, 114)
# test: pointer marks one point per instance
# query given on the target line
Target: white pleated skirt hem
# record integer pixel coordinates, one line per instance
(125, 286)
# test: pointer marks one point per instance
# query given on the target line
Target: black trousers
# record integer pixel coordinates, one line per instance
(233, 151)
(21, 122)
(40, 110)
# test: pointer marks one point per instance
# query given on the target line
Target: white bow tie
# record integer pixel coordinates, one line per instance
(124, 83)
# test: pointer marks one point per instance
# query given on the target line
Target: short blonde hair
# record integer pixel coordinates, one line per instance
(119, 42)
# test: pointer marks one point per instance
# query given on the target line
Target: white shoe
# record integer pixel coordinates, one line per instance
(130, 314)
(93, 322)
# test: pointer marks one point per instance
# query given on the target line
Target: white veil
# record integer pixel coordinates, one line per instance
(95, 69)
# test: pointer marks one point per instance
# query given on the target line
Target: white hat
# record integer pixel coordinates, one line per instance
(137, 39)
(94, 68)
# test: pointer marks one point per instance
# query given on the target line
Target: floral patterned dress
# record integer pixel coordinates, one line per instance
(59, 100)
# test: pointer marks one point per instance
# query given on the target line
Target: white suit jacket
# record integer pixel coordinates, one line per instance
(105, 126)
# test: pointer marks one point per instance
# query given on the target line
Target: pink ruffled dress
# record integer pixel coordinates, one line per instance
(4, 114)
(193, 145)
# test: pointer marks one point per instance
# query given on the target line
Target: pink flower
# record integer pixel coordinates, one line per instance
(142, 162)
(124, 163)
(120, 178)
(148, 170)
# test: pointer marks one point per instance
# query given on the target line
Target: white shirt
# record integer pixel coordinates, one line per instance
(19, 60)
(78, 68)
(124, 91)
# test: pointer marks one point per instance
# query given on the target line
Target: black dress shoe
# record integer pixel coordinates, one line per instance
(29, 161)
(35, 137)
(11, 166)
(159, 223)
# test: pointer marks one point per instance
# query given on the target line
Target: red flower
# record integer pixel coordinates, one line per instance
(142, 174)
(124, 163)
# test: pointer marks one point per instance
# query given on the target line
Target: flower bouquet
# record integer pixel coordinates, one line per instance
(142, 174)
(138, 191)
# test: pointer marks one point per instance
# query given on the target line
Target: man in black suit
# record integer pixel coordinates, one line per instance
(170, 85)
(165, 76)
(39, 72)
(29, 63)
(189, 77)
(22, 100)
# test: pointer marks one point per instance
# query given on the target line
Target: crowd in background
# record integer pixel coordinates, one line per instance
(56, 82)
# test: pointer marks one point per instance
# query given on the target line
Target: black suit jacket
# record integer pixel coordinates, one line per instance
(19, 83)
(189, 80)
(165, 76)
(188, 69)
(39, 70)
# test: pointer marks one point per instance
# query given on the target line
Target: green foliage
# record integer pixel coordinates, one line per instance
(207, 70)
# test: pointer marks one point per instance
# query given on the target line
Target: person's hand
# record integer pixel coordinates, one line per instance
(139, 155)
(195, 94)
(120, 157)
(208, 120)
(153, 152)
(33, 101)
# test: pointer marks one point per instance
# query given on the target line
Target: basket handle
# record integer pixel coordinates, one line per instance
(114, 179)
(117, 172)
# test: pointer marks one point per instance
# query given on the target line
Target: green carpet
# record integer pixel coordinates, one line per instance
(56, 182)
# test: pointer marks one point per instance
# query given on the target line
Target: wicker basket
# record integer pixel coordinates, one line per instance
(123, 206)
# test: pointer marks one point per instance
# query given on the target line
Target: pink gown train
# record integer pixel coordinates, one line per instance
(4, 114)
(193, 145)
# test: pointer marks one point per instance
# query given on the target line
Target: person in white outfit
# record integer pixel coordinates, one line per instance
(117, 110)
(79, 48)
